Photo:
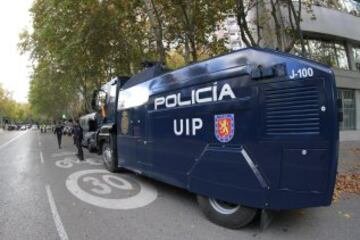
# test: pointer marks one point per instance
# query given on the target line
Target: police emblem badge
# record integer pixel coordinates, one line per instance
(124, 123)
(224, 127)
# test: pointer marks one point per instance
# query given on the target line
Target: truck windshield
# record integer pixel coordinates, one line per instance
(133, 97)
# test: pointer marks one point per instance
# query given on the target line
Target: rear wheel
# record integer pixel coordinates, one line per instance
(226, 214)
(109, 156)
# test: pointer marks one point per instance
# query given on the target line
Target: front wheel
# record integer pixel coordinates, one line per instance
(91, 147)
(226, 214)
(109, 157)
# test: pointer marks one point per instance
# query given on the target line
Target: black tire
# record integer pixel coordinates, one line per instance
(109, 156)
(226, 214)
(91, 147)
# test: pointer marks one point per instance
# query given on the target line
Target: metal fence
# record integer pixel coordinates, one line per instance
(349, 6)
(348, 104)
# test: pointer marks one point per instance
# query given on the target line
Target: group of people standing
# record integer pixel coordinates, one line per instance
(78, 136)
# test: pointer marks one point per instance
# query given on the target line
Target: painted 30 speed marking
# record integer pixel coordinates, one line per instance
(98, 187)
(302, 73)
(69, 162)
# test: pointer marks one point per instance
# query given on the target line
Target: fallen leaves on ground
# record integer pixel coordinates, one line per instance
(355, 151)
(345, 215)
(346, 183)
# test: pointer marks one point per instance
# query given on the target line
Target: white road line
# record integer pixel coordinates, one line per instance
(41, 158)
(59, 225)
(39, 143)
(11, 140)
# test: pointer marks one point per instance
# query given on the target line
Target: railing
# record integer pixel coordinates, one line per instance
(349, 6)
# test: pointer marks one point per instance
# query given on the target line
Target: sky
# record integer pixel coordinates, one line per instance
(14, 68)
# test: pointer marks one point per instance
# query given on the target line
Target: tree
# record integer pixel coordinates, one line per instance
(12, 110)
(156, 26)
(190, 26)
(271, 23)
(76, 46)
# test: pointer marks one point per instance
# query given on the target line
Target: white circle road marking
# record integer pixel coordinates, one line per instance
(99, 187)
(62, 154)
(125, 185)
(70, 161)
(147, 193)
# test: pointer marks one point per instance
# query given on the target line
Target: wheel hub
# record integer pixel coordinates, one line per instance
(223, 207)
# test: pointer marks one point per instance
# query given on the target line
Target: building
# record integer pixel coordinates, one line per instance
(230, 30)
(333, 37)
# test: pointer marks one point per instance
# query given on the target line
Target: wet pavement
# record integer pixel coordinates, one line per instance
(46, 193)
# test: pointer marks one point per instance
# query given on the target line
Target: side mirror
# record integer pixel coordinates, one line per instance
(101, 99)
(98, 100)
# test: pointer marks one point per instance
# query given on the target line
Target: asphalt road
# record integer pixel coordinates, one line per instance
(45, 193)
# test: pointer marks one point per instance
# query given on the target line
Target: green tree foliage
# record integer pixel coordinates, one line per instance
(12, 110)
(78, 45)
(190, 26)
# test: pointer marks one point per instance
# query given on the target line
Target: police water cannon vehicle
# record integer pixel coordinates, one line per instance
(251, 130)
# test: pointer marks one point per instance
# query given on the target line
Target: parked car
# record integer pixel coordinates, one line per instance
(68, 130)
(11, 127)
(23, 128)
(49, 128)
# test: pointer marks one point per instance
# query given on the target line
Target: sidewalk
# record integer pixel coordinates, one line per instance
(349, 156)
(352, 135)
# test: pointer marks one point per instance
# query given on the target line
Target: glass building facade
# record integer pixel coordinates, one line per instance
(347, 97)
(329, 52)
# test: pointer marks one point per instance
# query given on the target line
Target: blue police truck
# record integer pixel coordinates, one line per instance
(251, 130)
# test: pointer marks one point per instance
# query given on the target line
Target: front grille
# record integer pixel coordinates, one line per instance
(292, 110)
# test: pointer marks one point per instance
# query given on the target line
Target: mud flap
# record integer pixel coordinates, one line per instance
(266, 218)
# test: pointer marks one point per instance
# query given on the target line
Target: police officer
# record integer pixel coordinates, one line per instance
(78, 137)
(59, 131)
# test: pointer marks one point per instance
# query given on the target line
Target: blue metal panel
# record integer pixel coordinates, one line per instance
(282, 150)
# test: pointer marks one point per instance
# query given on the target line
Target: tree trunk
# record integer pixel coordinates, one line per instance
(187, 49)
(246, 34)
(297, 27)
(193, 49)
(275, 15)
(156, 26)
(189, 30)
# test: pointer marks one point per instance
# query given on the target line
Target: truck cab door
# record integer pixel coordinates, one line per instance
(133, 150)
(132, 142)
(141, 136)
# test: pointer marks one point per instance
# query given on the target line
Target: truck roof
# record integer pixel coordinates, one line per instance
(247, 56)
(151, 72)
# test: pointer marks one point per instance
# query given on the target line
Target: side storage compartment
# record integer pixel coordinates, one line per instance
(304, 170)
